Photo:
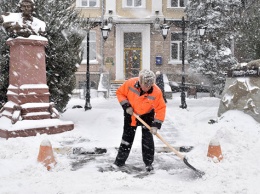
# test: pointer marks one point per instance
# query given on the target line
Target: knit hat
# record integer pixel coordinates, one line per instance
(146, 77)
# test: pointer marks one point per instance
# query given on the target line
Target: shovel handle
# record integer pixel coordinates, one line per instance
(160, 137)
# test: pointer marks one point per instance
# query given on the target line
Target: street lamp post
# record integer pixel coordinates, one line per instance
(202, 30)
(105, 31)
(165, 28)
(87, 104)
(183, 95)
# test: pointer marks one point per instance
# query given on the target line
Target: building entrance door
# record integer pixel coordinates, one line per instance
(132, 54)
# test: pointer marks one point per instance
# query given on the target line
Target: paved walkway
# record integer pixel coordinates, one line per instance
(168, 133)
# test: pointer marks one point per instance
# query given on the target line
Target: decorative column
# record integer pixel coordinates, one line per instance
(27, 77)
(28, 111)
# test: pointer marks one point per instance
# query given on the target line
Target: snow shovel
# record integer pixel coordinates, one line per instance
(183, 158)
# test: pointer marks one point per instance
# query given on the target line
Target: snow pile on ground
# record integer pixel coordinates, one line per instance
(237, 133)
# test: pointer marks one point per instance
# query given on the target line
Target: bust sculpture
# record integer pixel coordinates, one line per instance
(23, 23)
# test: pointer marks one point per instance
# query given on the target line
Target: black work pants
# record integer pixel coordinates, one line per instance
(128, 138)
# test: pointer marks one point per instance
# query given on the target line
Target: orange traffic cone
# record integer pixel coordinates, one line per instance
(45, 155)
(214, 150)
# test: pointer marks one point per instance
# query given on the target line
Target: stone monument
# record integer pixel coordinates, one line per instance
(242, 90)
(28, 110)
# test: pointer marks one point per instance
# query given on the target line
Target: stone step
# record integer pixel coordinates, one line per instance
(36, 116)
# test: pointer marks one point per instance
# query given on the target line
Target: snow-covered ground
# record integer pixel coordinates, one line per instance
(237, 173)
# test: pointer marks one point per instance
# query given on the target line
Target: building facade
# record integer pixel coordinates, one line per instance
(135, 41)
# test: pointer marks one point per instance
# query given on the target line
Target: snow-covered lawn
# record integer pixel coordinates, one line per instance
(101, 127)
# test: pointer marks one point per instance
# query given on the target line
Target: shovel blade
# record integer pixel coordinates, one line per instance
(198, 172)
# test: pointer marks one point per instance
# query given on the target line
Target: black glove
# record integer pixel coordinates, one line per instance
(127, 108)
(156, 124)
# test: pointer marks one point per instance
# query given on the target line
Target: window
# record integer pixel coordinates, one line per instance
(177, 3)
(87, 3)
(176, 46)
(133, 3)
(92, 47)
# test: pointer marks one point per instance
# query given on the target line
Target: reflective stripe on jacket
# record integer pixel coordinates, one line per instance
(129, 93)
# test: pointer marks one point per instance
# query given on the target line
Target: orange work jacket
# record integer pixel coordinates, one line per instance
(129, 93)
